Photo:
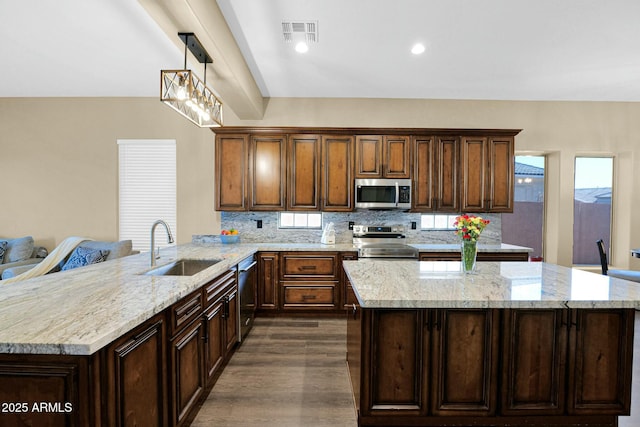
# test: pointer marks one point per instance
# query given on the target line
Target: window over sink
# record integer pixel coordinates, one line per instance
(305, 220)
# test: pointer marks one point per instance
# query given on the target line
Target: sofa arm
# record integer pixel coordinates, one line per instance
(29, 263)
(8, 273)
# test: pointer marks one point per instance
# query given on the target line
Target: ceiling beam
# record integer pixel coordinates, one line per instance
(229, 74)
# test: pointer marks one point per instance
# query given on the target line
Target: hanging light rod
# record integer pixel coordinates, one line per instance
(191, 41)
(183, 91)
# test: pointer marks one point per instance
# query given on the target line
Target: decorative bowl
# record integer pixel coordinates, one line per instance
(229, 238)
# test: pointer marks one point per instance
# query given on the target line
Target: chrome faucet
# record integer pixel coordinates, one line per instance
(153, 240)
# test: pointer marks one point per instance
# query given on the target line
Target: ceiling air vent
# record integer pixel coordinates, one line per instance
(300, 30)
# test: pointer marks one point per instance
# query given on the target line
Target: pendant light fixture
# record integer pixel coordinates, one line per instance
(183, 91)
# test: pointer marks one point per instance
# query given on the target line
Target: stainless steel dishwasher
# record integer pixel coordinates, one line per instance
(246, 295)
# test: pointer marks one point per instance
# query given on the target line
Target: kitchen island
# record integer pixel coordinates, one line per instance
(514, 343)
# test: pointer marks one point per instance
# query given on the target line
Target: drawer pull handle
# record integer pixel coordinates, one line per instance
(306, 297)
(192, 310)
(308, 267)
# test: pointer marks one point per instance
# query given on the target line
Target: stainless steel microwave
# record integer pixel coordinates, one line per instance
(383, 193)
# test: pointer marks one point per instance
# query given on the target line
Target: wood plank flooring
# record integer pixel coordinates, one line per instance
(287, 373)
(291, 372)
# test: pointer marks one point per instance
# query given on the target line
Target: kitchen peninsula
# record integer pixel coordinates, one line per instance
(513, 343)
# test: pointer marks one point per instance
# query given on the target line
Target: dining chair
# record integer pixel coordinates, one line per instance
(632, 275)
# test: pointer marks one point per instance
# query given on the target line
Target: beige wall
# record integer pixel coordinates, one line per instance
(60, 165)
(59, 156)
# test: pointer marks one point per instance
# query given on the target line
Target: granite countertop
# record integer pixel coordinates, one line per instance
(441, 284)
(80, 311)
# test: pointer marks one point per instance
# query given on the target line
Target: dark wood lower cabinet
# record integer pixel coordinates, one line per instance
(47, 391)
(535, 349)
(187, 371)
(490, 367)
(135, 362)
(464, 362)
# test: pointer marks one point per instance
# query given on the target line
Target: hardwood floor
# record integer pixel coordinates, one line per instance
(292, 373)
(288, 373)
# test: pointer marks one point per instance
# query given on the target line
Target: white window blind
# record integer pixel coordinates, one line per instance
(147, 190)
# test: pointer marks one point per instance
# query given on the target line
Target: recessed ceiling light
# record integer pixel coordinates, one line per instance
(302, 47)
(417, 49)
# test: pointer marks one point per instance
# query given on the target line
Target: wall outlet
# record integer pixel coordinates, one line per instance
(413, 225)
(351, 224)
(259, 223)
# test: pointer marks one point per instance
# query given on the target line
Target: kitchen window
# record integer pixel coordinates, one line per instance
(146, 190)
(437, 222)
(300, 220)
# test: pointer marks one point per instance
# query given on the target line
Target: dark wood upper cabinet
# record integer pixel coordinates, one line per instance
(303, 172)
(396, 156)
(267, 172)
(313, 169)
(435, 174)
(368, 156)
(382, 156)
(337, 173)
(487, 174)
(231, 160)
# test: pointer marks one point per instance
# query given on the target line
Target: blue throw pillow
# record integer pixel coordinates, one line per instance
(3, 249)
(84, 256)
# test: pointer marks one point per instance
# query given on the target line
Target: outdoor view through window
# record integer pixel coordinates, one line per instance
(591, 208)
(524, 227)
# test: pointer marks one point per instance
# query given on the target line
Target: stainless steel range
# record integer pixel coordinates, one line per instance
(382, 241)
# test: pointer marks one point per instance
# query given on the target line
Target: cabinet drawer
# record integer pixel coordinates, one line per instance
(311, 266)
(214, 289)
(296, 296)
(185, 310)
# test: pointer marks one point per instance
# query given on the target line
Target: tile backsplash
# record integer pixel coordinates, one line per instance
(245, 223)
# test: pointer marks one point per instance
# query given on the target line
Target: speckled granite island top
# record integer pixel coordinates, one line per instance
(440, 284)
(80, 311)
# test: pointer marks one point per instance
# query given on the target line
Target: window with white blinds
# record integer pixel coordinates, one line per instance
(147, 190)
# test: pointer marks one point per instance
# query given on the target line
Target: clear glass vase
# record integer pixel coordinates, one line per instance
(468, 255)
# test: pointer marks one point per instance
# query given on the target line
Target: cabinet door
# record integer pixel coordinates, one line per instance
(267, 171)
(501, 174)
(348, 294)
(303, 172)
(395, 157)
(214, 339)
(446, 173)
(267, 280)
(601, 350)
(337, 173)
(187, 371)
(137, 362)
(465, 362)
(474, 172)
(423, 177)
(231, 172)
(231, 319)
(535, 350)
(368, 156)
(394, 363)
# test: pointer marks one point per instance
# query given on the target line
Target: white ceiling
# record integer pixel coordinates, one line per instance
(491, 49)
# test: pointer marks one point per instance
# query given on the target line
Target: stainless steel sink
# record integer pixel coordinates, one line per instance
(182, 267)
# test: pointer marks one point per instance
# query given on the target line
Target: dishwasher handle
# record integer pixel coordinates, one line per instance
(247, 268)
